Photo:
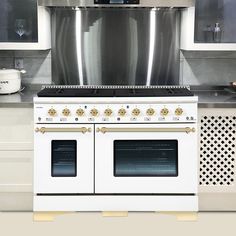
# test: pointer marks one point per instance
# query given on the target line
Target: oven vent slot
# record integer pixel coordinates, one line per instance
(217, 150)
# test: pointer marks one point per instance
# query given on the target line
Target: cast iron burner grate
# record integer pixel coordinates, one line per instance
(115, 91)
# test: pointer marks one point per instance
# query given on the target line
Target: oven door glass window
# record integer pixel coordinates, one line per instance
(146, 158)
(64, 154)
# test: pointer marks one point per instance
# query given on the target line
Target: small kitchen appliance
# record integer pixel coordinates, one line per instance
(10, 81)
(115, 148)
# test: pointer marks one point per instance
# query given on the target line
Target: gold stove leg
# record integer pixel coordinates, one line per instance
(47, 216)
(183, 216)
(187, 216)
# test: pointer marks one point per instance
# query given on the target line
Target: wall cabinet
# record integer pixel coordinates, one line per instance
(210, 25)
(215, 21)
(24, 25)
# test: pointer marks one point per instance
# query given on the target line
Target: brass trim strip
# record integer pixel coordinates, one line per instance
(52, 130)
(109, 130)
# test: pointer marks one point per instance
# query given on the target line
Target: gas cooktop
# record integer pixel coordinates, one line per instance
(115, 91)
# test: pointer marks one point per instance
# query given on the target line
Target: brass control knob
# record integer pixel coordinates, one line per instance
(108, 112)
(122, 112)
(164, 112)
(52, 112)
(80, 112)
(94, 112)
(66, 112)
(179, 111)
(136, 112)
(150, 112)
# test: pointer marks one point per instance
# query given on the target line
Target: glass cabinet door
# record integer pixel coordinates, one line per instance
(18, 21)
(215, 21)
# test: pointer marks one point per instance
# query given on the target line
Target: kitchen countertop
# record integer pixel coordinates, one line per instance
(209, 97)
(215, 96)
(20, 99)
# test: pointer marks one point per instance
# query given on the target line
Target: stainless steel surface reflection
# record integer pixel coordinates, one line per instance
(142, 3)
(115, 46)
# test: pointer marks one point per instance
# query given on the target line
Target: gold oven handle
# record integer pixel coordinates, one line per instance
(183, 130)
(52, 130)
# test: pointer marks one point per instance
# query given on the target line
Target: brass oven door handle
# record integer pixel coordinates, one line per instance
(112, 130)
(57, 130)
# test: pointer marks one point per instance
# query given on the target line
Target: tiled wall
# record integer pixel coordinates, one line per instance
(213, 68)
(36, 63)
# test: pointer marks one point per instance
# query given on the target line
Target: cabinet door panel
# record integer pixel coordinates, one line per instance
(16, 171)
(18, 21)
(215, 21)
(16, 129)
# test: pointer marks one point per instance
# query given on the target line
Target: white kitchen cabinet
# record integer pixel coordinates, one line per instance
(16, 158)
(16, 129)
(24, 25)
(16, 169)
(189, 40)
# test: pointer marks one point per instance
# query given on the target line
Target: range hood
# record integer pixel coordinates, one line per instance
(116, 3)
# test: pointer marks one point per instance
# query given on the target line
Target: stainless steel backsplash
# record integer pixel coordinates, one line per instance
(115, 46)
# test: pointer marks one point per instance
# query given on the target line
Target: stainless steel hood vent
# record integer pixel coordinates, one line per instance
(116, 3)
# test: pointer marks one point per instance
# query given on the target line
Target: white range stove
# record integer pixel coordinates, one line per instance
(115, 149)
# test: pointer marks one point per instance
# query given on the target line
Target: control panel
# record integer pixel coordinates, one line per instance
(115, 113)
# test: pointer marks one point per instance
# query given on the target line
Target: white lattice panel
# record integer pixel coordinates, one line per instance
(217, 149)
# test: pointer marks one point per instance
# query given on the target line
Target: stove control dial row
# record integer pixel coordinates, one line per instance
(122, 112)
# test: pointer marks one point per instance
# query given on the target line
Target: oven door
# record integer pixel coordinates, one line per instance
(146, 159)
(64, 159)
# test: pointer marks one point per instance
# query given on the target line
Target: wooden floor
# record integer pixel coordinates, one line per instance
(136, 224)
